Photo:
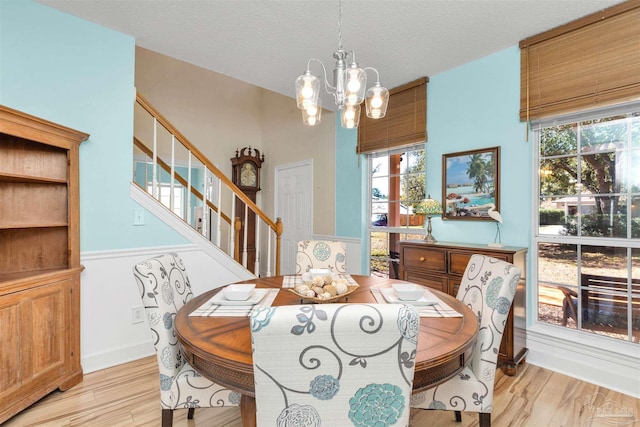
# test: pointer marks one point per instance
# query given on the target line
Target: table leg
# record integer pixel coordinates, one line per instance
(248, 411)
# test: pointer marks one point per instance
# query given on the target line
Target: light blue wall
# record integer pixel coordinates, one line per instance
(349, 175)
(476, 106)
(473, 106)
(80, 75)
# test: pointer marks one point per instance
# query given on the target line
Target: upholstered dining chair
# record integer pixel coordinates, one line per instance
(334, 364)
(164, 288)
(321, 254)
(488, 287)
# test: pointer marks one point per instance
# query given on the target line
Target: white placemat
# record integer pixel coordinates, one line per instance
(210, 308)
(292, 281)
(439, 309)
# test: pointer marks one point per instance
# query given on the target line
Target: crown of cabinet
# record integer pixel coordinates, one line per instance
(39, 258)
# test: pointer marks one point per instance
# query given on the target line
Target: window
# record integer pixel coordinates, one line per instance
(164, 195)
(396, 185)
(587, 242)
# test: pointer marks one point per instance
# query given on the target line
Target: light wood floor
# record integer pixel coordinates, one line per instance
(128, 395)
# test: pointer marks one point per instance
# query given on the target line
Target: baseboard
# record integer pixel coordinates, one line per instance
(116, 356)
(592, 362)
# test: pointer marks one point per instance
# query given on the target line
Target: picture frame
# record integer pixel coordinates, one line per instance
(471, 184)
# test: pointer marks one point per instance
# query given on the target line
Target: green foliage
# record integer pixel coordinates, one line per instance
(375, 193)
(480, 170)
(596, 225)
(551, 216)
(567, 168)
(413, 182)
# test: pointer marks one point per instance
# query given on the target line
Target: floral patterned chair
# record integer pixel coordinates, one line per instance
(334, 364)
(321, 254)
(164, 288)
(488, 287)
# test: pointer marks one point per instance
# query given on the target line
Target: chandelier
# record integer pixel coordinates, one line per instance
(348, 89)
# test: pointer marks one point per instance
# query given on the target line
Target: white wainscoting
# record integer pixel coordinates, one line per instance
(109, 292)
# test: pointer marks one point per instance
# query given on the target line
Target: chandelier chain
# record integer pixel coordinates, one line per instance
(339, 24)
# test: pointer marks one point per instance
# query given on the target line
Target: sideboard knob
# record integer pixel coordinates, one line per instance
(422, 259)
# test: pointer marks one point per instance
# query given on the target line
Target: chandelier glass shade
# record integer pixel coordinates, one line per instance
(349, 89)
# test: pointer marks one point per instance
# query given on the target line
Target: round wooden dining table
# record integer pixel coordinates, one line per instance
(220, 347)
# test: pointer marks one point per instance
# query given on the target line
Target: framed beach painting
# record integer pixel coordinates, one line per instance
(471, 184)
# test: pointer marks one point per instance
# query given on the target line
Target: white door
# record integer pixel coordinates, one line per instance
(294, 197)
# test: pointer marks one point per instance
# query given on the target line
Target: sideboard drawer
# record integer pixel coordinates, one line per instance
(433, 281)
(458, 260)
(433, 260)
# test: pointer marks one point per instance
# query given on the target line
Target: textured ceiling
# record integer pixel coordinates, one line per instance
(268, 42)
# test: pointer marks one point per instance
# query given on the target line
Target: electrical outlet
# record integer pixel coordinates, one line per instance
(137, 315)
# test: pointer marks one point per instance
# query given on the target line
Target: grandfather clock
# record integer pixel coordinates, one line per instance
(246, 175)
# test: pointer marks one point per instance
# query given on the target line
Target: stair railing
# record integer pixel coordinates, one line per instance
(177, 174)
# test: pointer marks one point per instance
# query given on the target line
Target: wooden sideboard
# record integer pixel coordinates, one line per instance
(39, 259)
(441, 266)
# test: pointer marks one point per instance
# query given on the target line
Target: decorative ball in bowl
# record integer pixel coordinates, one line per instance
(238, 292)
(408, 291)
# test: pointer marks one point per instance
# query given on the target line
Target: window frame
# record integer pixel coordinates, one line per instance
(629, 243)
(401, 231)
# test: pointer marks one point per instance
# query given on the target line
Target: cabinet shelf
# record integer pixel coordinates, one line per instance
(39, 259)
(22, 226)
(10, 177)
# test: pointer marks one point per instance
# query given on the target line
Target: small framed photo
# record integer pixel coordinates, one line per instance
(471, 184)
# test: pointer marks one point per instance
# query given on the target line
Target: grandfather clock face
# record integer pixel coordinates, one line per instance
(249, 175)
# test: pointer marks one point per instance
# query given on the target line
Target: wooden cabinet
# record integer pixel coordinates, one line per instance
(441, 266)
(39, 259)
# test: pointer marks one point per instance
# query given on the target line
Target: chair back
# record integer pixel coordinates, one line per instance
(334, 364)
(488, 287)
(164, 289)
(321, 254)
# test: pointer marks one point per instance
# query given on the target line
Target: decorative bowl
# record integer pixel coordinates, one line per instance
(408, 291)
(350, 290)
(238, 292)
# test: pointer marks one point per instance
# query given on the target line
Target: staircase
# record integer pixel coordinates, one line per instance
(176, 175)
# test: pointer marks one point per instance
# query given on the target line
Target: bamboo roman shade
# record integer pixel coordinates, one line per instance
(588, 63)
(404, 124)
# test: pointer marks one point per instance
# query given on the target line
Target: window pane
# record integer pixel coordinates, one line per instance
(611, 223)
(598, 174)
(557, 264)
(556, 178)
(380, 187)
(558, 140)
(552, 216)
(557, 273)
(603, 134)
(604, 289)
(634, 178)
(635, 130)
(379, 254)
